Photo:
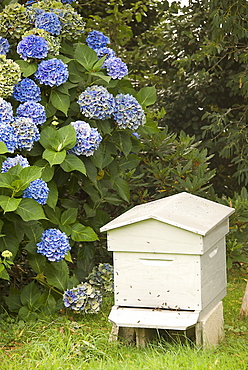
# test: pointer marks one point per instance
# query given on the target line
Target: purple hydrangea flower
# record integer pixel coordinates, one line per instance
(84, 298)
(11, 162)
(26, 90)
(48, 22)
(8, 136)
(6, 111)
(4, 45)
(25, 132)
(54, 245)
(52, 72)
(128, 112)
(96, 40)
(32, 109)
(96, 102)
(116, 68)
(37, 190)
(32, 46)
(88, 139)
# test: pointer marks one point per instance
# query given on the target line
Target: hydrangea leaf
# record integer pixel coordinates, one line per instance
(29, 210)
(9, 204)
(6, 180)
(48, 138)
(122, 188)
(53, 194)
(101, 75)
(147, 96)
(27, 68)
(3, 148)
(73, 163)
(69, 216)
(37, 262)
(29, 174)
(56, 278)
(30, 294)
(67, 137)
(68, 257)
(54, 157)
(82, 233)
(53, 215)
(85, 56)
(47, 170)
(60, 101)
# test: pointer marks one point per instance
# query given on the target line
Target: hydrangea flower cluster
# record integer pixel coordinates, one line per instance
(108, 52)
(102, 276)
(6, 112)
(49, 22)
(128, 112)
(10, 73)
(52, 72)
(12, 162)
(32, 109)
(32, 46)
(25, 133)
(83, 298)
(14, 20)
(52, 41)
(26, 90)
(96, 40)
(8, 137)
(88, 139)
(4, 45)
(96, 102)
(54, 245)
(116, 68)
(37, 190)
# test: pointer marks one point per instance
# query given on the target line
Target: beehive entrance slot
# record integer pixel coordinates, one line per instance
(156, 262)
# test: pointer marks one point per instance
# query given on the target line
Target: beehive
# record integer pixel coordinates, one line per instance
(170, 254)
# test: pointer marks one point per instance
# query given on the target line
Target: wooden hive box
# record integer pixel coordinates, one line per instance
(170, 254)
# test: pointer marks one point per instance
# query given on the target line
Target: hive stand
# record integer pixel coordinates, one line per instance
(206, 333)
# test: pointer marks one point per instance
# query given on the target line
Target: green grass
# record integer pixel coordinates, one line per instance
(81, 342)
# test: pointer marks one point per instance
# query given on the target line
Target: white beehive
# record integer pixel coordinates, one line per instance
(170, 254)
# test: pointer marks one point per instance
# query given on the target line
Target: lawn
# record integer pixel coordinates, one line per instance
(70, 341)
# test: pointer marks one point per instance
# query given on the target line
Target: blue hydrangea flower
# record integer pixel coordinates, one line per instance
(33, 46)
(48, 22)
(52, 72)
(68, 1)
(116, 68)
(26, 132)
(11, 162)
(109, 53)
(26, 90)
(54, 245)
(96, 102)
(32, 109)
(83, 298)
(6, 111)
(128, 112)
(8, 136)
(37, 190)
(88, 139)
(4, 45)
(96, 40)
(102, 276)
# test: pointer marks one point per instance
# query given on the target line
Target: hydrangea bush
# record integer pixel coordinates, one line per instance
(68, 144)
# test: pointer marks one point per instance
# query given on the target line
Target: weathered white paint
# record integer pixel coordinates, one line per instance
(148, 318)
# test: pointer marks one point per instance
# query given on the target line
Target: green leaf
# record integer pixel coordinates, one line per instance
(10, 242)
(13, 300)
(26, 314)
(47, 170)
(147, 96)
(29, 295)
(48, 138)
(86, 56)
(27, 68)
(56, 278)
(54, 157)
(69, 216)
(37, 262)
(9, 204)
(60, 101)
(30, 210)
(122, 188)
(6, 180)
(73, 163)
(33, 231)
(53, 215)
(101, 75)
(53, 194)
(82, 233)
(67, 137)
(29, 174)
(3, 148)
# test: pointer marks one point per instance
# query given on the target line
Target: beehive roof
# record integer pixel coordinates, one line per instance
(182, 210)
